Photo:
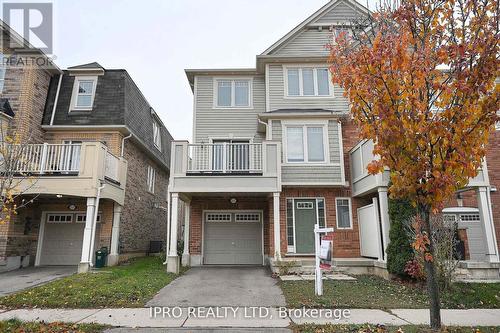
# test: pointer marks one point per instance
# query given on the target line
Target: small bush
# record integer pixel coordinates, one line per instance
(399, 250)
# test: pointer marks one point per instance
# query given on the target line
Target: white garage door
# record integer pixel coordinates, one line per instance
(62, 240)
(233, 238)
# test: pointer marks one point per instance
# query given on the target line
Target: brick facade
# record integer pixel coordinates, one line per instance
(112, 139)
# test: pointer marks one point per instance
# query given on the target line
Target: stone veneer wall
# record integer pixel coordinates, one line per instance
(141, 222)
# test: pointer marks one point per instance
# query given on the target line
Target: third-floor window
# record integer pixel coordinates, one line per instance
(157, 135)
(307, 81)
(83, 92)
(233, 93)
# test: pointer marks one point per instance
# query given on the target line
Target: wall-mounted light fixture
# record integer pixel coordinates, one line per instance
(59, 195)
(233, 200)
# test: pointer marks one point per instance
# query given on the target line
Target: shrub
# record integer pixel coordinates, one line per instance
(399, 250)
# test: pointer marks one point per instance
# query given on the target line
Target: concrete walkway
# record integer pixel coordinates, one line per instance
(20, 279)
(221, 286)
(248, 317)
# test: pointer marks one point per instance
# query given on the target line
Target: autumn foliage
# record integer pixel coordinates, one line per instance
(420, 78)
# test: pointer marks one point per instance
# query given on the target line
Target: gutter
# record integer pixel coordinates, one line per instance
(55, 100)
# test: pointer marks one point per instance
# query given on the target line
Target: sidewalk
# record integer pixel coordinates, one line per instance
(242, 317)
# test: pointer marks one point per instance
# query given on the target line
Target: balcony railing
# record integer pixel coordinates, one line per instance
(111, 169)
(45, 158)
(225, 158)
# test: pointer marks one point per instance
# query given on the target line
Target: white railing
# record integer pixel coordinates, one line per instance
(45, 158)
(111, 167)
(225, 158)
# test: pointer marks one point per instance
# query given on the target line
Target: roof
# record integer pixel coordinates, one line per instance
(90, 65)
(191, 73)
(5, 107)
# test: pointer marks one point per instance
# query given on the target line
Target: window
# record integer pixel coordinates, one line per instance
(305, 205)
(151, 179)
(218, 217)
(2, 72)
(470, 218)
(82, 218)
(83, 93)
(305, 144)
(157, 135)
(233, 93)
(59, 218)
(497, 125)
(343, 206)
(247, 217)
(307, 81)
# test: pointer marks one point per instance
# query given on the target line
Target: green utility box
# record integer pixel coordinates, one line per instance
(100, 257)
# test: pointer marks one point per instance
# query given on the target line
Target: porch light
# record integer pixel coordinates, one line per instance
(59, 195)
(233, 200)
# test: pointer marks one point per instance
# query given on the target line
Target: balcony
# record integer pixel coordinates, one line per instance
(67, 169)
(225, 167)
(364, 183)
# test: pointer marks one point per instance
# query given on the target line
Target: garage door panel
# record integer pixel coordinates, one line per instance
(233, 243)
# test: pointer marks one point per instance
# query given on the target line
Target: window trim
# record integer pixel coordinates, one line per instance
(497, 124)
(310, 123)
(150, 179)
(74, 94)
(337, 213)
(292, 248)
(3, 70)
(233, 79)
(301, 95)
(156, 130)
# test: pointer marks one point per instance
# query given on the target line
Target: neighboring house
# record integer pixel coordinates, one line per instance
(274, 152)
(97, 148)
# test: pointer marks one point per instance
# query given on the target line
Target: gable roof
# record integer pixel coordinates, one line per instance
(313, 20)
(91, 65)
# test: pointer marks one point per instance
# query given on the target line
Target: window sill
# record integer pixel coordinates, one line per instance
(309, 97)
(310, 164)
(80, 109)
(232, 107)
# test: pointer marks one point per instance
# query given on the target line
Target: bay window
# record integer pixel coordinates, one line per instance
(305, 143)
(307, 81)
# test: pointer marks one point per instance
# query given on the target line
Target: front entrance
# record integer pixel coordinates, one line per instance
(233, 238)
(305, 219)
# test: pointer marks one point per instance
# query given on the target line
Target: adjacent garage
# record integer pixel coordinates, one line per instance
(233, 238)
(62, 238)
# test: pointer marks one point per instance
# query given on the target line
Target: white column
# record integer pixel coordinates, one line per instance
(185, 253)
(486, 214)
(384, 217)
(115, 235)
(276, 225)
(87, 237)
(173, 258)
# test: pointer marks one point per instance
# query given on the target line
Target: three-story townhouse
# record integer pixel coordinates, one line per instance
(275, 152)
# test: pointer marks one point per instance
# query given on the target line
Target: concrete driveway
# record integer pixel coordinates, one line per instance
(19, 279)
(221, 286)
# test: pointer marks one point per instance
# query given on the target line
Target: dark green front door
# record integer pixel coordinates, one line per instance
(305, 218)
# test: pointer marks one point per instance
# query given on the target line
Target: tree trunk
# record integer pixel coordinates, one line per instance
(430, 269)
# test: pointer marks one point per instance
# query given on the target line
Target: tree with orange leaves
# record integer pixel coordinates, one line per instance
(420, 78)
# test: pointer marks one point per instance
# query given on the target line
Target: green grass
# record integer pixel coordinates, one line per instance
(16, 326)
(386, 329)
(120, 286)
(376, 293)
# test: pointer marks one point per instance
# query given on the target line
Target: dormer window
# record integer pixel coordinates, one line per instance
(157, 135)
(83, 93)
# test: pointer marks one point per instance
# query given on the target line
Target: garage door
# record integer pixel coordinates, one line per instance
(62, 240)
(233, 238)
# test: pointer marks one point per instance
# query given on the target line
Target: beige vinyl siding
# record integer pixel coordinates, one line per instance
(278, 101)
(320, 174)
(307, 43)
(223, 123)
(342, 12)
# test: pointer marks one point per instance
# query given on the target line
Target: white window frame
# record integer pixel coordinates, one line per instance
(74, 95)
(292, 248)
(326, 145)
(77, 214)
(60, 214)
(337, 213)
(151, 179)
(3, 71)
(157, 134)
(233, 105)
(301, 95)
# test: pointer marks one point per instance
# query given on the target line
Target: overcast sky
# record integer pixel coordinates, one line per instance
(156, 40)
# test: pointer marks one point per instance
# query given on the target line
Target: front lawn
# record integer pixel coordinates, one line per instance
(386, 329)
(129, 285)
(373, 292)
(16, 326)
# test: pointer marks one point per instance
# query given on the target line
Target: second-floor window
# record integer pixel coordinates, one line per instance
(305, 144)
(157, 135)
(83, 93)
(151, 179)
(231, 93)
(307, 81)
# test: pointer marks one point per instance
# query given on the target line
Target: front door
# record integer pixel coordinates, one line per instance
(305, 219)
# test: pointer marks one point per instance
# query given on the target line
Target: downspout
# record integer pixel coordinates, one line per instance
(123, 143)
(94, 222)
(267, 127)
(55, 100)
(168, 225)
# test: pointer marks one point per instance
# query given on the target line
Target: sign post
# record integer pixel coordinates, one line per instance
(318, 285)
